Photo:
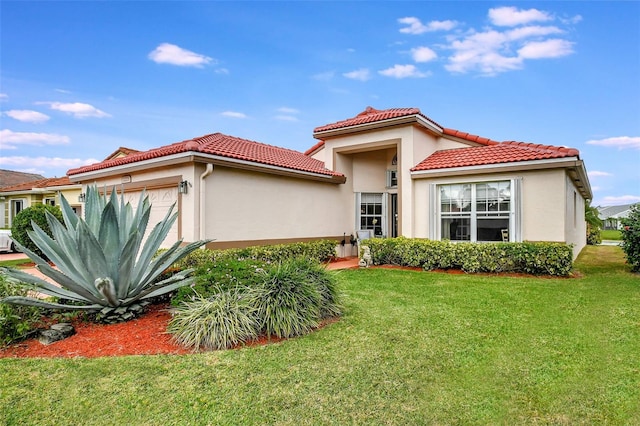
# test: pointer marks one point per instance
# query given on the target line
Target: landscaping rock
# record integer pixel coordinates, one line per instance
(55, 333)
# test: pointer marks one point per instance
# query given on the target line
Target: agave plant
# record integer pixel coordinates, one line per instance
(102, 262)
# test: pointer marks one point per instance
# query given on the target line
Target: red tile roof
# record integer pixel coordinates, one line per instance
(40, 183)
(372, 115)
(224, 146)
(468, 136)
(504, 152)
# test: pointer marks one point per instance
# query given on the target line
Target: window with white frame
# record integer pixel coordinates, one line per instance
(371, 212)
(16, 207)
(481, 211)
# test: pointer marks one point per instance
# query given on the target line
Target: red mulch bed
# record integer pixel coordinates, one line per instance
(145, 335)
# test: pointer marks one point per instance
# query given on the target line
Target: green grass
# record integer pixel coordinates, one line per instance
(412, 348)
(610, 234)
(16, 263)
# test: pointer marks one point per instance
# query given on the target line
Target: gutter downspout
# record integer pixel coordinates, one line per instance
(203, 176)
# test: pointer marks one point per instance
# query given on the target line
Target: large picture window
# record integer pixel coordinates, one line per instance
(476, 211)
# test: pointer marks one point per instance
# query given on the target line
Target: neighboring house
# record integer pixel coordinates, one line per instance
(391, 172)
(611, 215)
(45, 190)
(8, 178)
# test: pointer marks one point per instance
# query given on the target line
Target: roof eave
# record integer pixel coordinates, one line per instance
(194, 156)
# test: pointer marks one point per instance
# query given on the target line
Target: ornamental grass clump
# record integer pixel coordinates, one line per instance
(221, 321)
(103, 263)
(287, 301)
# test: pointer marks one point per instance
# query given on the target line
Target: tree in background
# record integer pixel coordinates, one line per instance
(22, 223)
(594, 224)
(631, 237)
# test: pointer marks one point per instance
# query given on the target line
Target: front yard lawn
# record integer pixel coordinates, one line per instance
(412, 348)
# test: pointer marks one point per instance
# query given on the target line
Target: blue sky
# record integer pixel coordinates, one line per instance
(80, 79)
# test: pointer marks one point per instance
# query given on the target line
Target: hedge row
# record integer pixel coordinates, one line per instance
(530, 258)
(321, 250)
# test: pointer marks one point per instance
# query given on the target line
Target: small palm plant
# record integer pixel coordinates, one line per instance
(102, 262)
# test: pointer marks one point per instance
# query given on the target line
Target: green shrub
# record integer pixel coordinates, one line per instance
(321, 250)
(223, 320)
(283, 299)
(594, 236)
(530, 258)
(225, 273)
(22, 224)
(631, 237)
(15, 321)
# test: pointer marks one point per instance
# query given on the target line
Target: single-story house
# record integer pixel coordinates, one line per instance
(46, 190)
(385, 172)
(611, 215)
(10, 178)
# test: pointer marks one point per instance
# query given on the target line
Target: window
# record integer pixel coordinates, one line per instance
(371, 210)
(50, 201)
(476, 211)
(16, 207)
(392, 178)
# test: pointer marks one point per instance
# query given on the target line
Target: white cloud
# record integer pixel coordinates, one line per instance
(234, 114)
(572, 20)
(511, 16)
(423, 54)
(167, 53)
(491, 52)
(415, 26)
(76, 109)
(531, 31)
(3, 97)
(38, 164)
(221, 71)
(596, 173)
(623, 199)
(620, 142)
(361, 74)
(553, 48)
(10, 139)
(27, 116)
(403, 71)
(63, 91)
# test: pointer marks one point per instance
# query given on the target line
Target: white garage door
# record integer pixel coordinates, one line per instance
(161, 200)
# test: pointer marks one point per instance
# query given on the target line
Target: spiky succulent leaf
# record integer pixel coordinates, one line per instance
(29, 301)
(68, 215)
(101, 260)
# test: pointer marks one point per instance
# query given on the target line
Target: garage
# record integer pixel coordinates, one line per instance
(161, 200)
